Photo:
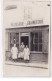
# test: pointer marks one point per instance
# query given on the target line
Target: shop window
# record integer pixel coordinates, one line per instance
(36, 41)
(14, 38)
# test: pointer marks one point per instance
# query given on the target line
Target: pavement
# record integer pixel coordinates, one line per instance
(31, 69)
(43, 65)
(16, 69)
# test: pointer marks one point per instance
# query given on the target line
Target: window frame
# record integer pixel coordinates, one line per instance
(38, 43)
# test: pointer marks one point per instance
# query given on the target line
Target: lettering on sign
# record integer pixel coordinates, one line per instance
(34, 22)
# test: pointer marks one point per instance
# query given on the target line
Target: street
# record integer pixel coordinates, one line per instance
(14, 70)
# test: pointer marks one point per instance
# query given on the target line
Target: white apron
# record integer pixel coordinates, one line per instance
(21, 55)
(21, 52)
(14, 52)
(26, 54)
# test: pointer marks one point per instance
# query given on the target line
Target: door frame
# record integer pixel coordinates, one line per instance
(24, 35)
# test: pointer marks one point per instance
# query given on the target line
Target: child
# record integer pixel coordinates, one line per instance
(26, 54)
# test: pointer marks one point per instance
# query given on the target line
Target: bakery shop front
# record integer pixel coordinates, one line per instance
(28, 23)
(36, 37)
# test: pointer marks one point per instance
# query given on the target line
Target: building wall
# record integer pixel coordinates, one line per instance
(45, 41)
(36, 11)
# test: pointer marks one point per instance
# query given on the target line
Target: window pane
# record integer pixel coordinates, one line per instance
(40, 47)
(40, 34)
(35, 40)
(10, 37)
(36, 47)
(36, 35)
(17, 38)
(32, 45)
(14, 38)
(40, 40)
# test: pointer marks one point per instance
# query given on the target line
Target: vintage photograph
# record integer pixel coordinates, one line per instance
(26, 38)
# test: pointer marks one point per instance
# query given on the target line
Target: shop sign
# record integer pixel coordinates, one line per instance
(26, 23)
(24, 34)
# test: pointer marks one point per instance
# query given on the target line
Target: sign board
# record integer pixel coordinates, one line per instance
(24, 34)
(27, 23)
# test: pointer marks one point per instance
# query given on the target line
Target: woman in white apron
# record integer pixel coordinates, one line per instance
(14, 52)
(26, 54)
(21, 51)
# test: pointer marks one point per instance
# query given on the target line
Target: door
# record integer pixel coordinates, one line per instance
(25, 40)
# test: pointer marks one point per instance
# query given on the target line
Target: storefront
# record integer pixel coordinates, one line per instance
(36, 37)
(26, 24)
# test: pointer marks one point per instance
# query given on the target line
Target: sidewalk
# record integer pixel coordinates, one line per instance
(42, 65)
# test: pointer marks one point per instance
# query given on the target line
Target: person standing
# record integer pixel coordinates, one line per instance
(14, 52)
(26, 54)
(21, 51)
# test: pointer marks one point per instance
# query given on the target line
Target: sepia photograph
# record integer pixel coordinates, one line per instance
(26, 38)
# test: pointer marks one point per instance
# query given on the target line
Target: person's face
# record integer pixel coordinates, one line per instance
(22, 43)
(26, 46)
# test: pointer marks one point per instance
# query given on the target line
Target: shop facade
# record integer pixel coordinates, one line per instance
(26, 24)
(36, 37)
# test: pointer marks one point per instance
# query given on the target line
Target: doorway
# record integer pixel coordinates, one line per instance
(25, 40)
